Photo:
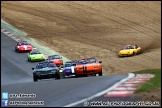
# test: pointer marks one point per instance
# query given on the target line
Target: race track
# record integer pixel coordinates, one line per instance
(16, 75)
(15, 66)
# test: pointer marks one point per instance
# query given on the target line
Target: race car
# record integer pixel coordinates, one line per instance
(88, 66)
(130, 50)
(36, 55)
(56, 59)
(69, 68)
(23, 46)
(45, 70)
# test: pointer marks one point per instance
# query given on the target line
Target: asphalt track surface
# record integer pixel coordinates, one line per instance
(16, 77)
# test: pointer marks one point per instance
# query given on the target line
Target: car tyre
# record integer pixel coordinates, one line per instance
(76, 75)
(57, 76)
(63, 75)
(35, 78)
(28, 59)
(16, 49)
(100, 73)
(133, 54)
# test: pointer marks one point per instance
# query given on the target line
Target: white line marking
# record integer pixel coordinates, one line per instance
(130, 75)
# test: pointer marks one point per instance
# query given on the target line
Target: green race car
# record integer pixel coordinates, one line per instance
(35, 55)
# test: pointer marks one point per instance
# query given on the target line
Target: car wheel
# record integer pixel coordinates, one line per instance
(35, 78)
(85, 75)
(28, 59)
(100, 73)
(133, 54)
(63, 75)
(76, 75)
(16, 49)
(57, 76)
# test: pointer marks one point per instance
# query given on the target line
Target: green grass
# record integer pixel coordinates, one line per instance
(153, 83)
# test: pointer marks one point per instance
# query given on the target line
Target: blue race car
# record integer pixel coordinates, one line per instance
(69, 68)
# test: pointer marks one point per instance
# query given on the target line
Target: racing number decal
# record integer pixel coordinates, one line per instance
(72, 69)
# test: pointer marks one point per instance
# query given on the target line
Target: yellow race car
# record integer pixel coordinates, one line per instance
(130, 50)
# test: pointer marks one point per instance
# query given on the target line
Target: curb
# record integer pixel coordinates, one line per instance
(129, 87)
(130, 75)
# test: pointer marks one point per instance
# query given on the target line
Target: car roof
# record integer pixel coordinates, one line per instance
(71, 61)
(35, 50)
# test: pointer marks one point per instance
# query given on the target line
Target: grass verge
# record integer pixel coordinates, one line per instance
(153, 83)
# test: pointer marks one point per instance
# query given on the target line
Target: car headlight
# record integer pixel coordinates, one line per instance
(60, 70)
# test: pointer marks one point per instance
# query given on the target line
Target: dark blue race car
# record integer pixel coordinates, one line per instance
(69, 68)
(45, 70)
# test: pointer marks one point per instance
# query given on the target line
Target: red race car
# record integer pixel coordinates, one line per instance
(23, 46)
(88, 66)
(56, 59)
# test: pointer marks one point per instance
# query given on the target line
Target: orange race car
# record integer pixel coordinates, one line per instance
(88, 66)
(56, 59)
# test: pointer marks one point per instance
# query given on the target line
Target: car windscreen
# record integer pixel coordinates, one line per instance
(128, 47)
(54, 57)
(67, 64)
(35, 52)
(41, 65)
(45, 64)
(87, 61)
(24, 43)
(51, 64)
